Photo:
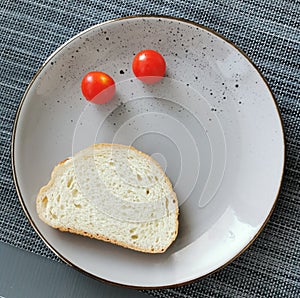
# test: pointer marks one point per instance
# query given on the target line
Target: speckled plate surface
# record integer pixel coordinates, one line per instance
(212, 123)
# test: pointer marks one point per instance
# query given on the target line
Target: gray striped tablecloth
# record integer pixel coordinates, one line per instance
(268, 31)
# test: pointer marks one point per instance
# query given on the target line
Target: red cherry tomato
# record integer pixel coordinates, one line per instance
(98, 87)
(149, 66)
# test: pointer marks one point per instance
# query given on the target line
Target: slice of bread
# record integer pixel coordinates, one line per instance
(113, 193)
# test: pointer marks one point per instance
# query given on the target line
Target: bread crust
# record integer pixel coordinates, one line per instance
(113, 241)
(97, 236)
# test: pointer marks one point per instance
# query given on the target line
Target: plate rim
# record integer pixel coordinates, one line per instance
(16, 121)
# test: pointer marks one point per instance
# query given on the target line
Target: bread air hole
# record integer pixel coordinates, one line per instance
(77, 205)
(147, 191)
(44, 202)
(156, 178)
(134, 237)
(53, 215)
(75, 192)
(139, 177)
(58, 198)
(70, 182)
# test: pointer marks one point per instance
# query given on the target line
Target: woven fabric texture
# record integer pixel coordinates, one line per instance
(267, 31)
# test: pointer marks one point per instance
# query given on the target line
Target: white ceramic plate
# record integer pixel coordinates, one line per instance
(212, 123)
